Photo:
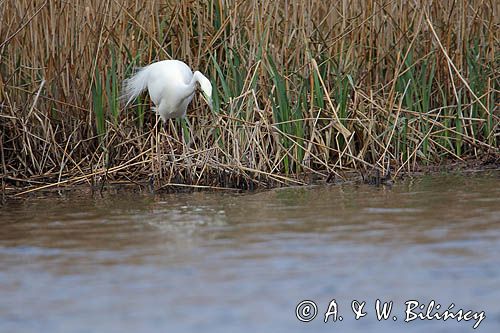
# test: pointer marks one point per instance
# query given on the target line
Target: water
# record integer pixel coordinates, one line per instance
(242, 263)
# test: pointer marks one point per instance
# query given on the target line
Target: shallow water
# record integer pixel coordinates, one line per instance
(242, 263)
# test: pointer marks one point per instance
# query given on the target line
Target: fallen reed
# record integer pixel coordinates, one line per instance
(303, 90)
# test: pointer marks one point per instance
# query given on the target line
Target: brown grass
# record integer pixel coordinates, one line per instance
(305, 90)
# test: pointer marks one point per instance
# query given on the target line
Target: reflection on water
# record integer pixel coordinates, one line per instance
(233, 263)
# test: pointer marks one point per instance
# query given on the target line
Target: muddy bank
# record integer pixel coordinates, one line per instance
(13, 189)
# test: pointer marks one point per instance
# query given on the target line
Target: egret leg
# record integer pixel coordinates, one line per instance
(186, 131)
(151, 184)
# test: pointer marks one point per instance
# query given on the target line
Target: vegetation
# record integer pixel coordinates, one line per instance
(301, 89)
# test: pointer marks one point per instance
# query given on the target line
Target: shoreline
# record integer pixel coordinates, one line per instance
(11, 192)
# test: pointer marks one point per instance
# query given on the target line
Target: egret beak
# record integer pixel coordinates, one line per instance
(208, 100)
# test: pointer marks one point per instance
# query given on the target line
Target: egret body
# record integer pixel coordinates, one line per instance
(171, 85)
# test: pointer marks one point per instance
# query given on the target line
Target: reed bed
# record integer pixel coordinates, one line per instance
(303, 90)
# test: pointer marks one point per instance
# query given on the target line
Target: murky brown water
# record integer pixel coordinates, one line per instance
(225, 263)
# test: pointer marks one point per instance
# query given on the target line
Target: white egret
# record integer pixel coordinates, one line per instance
(171, 85)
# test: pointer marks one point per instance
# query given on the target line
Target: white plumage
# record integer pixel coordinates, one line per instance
(171, 85)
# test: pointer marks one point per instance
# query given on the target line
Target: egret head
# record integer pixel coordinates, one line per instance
(206, 89)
